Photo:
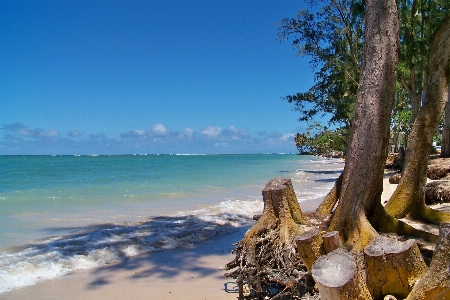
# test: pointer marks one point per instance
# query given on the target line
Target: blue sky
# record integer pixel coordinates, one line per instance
(156, 76)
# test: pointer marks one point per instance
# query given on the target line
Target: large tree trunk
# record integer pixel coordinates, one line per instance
(409, 197)
(367, 151)
(445, 143)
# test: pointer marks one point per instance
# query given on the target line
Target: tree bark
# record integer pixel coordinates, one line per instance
(367, 151)
(436, 282)
(409, 196)
(310, 247)
(336, 276)
(331, 241)
(445, 143)
(392, 267)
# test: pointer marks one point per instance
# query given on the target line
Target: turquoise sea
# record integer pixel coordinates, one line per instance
(63, 213)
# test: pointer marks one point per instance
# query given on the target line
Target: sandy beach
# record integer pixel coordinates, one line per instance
(183, 273)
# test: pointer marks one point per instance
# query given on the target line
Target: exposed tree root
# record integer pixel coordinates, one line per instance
(427, 214)
(275, 267)
(400, 206)
(388, 224)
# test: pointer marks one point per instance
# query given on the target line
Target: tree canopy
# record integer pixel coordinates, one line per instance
(332, 36)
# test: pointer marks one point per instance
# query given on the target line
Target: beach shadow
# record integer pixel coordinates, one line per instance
(161, 247)
(168, 264)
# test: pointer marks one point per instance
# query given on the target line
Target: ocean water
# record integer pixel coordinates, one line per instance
(63, 213)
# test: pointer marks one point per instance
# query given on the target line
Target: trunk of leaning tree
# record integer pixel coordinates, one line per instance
(445, 143)
(409, 197)
(362, 179)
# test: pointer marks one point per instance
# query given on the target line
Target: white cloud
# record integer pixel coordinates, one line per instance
(50, 133)
(159, 129)
(211, 132)
(23, 131)
(235, 134)
(19, 139)
(74, 133)
(187, 133)
(221, 145)
(287, 137)
(139, 132)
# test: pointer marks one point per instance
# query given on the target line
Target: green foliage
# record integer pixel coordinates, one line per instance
(319, 140)
(333, 38)
(419, 19)
(401, 119)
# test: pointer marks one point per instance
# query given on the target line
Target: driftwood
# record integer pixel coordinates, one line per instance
(310, 247)
(437, 192)
(438, 168)
(336, 276)
(435, 284)
(392, 267)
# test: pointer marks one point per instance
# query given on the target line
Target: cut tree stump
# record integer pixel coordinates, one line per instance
(336, 276)
(392, 267)
(310, 247)
(435, 284)
(331, 241)
(266, 256)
